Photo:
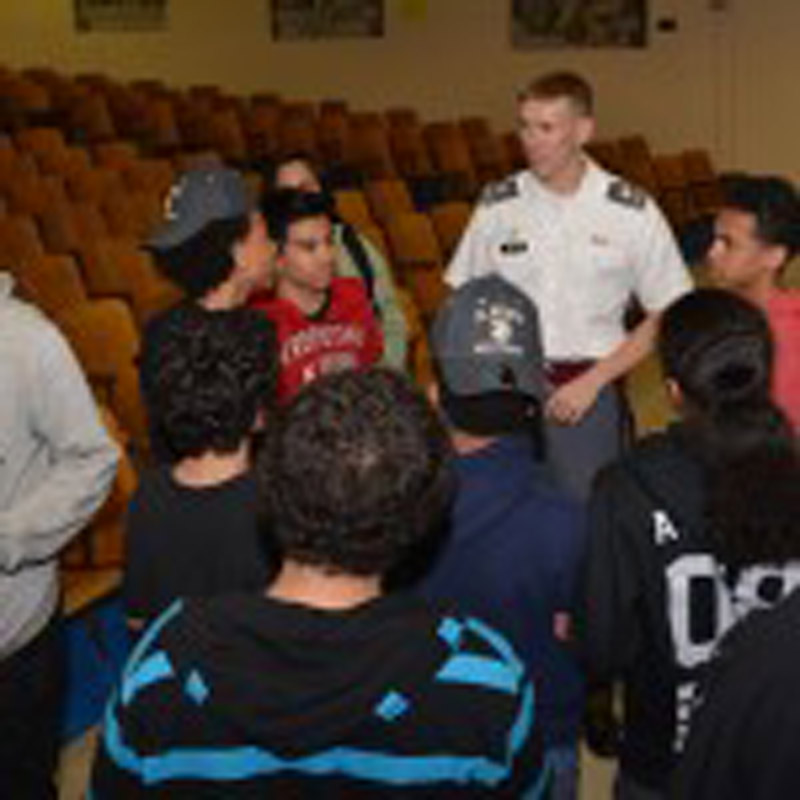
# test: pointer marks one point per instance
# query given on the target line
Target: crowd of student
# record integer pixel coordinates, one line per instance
(343, 587)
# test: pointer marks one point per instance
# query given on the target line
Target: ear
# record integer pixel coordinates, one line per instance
(776, 257)
(586, 129)
(236, 252)
(674, 392)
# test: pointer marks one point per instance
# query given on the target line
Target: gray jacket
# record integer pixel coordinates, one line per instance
(56, 464)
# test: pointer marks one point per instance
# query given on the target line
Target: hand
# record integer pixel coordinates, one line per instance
(570, 402)
(562, 626)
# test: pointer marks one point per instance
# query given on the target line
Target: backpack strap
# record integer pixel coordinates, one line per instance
(355, 247)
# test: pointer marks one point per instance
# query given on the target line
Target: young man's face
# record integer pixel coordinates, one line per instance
(553, 133)
(307, 259)
(255, 254)
(738, 258)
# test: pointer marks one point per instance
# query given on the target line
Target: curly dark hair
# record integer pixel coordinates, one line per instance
(774, 204)
(206, 260)
(718, 348)
(357, 474)
(215, 372)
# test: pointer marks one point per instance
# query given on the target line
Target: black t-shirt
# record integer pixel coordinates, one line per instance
(184, 541)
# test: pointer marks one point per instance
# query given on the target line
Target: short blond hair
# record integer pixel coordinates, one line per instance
(555, 85)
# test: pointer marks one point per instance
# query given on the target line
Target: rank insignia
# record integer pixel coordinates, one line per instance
(626, 194)
(499, 190)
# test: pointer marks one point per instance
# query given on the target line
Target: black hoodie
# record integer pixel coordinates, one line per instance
(244, 696)
(657, 600)
(745, 738)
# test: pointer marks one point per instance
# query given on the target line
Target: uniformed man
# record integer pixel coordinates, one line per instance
(580, 242)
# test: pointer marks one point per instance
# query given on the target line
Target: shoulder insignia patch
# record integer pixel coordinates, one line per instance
(499, 190)
(626, 194)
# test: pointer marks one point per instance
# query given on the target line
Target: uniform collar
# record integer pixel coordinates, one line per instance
(6, 285)
(591, 178)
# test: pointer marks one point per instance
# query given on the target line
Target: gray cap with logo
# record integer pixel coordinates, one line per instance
(198, 198)
(486, 338)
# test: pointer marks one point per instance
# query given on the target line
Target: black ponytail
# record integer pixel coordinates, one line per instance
(718, 348)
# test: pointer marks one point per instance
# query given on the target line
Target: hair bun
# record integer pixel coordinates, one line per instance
(732, 370)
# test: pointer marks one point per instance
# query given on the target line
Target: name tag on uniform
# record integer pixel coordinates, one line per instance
(513, 248)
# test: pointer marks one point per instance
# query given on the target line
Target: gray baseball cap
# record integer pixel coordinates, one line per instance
(197, 198)
(486, 338)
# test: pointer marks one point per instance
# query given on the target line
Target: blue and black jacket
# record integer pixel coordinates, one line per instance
(244, 696)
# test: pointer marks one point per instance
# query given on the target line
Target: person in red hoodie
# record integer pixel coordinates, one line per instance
(325, 323)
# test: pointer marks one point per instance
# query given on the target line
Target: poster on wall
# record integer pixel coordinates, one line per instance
(120, 15)
(326, 19)
(578, 23)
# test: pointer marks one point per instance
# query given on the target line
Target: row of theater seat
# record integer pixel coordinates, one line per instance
(85, 163)
(71, 231)
(461, 154)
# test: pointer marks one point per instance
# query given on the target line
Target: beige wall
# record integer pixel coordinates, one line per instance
(711, 83)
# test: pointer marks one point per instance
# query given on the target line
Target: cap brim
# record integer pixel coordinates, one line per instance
(168, 236)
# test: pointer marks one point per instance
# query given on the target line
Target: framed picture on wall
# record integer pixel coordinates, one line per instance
(578, 23)
(326, 19)
(120, 15)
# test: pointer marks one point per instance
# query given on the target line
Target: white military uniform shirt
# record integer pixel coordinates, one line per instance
(579, 257)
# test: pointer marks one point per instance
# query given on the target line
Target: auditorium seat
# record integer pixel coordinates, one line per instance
(417, 259)
(19, 239)
(449, 221)
(45, 144)
(116, 154)
(452, 159)
(388, 197)
(52, 282)
(672, 189)
(704, 185)
(371, 152)
(104, 336)
(95, 185)
(297, 132)
(409, 150)
(489, 159)
(637, 162)
(333, 133)
(34, 193)
(606, 152)
(352, 206)
(119, 267)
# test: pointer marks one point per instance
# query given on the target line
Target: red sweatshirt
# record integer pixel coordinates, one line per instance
(344, 335)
